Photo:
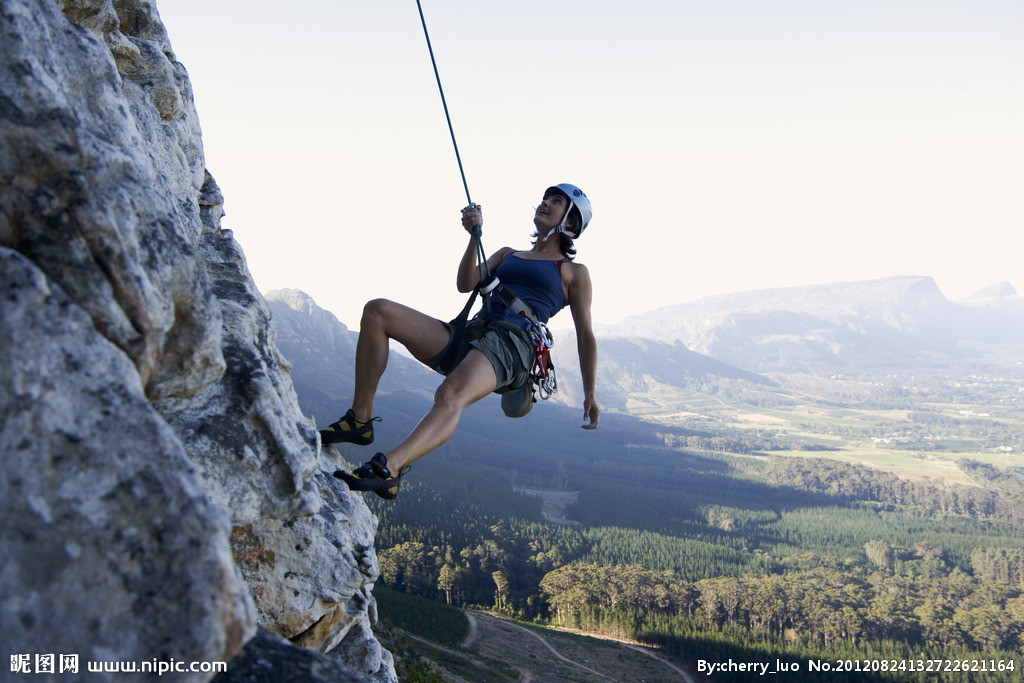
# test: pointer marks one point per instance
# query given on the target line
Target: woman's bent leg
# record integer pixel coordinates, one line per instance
(469, 382)
(423, 336)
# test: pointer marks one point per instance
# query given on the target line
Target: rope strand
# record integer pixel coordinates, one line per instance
(444, 102)
(481, 255)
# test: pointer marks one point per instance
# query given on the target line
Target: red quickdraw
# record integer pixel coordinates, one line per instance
(543, 372)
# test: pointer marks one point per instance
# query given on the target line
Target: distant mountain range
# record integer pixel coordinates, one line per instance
(892, 322)
(861, 328)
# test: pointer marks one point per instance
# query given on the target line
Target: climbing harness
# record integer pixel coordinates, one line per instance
(542, 374)
(540, 379)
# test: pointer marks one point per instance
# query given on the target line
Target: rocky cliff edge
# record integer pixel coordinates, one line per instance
(161, 494)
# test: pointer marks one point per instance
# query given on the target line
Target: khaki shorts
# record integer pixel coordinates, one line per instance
(487, 341)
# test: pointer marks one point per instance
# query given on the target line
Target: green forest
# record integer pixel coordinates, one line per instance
(714, 555)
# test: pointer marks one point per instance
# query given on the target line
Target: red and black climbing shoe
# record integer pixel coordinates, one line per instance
(348, 430)
(374, 476)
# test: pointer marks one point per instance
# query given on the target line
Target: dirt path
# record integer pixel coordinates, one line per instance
(560, 655)
(636, 648)
(503, 651)
(556, 653)
(471, 636)
(682, 674)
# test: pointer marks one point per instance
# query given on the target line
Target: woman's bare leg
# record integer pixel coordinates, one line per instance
(470, 381)
(423, 336)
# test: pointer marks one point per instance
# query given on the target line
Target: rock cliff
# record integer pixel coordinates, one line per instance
(161, 494)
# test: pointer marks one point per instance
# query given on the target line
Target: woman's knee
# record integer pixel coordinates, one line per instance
(448, 396)
(421, 334)
(389, 317)
(470, 381)
(376, 310)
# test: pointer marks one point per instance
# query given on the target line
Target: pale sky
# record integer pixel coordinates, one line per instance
(726, 145)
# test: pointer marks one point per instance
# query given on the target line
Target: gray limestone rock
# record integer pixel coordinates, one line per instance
(317, 593)
(111, 549)
(92, 178)
(269, 658)
(145, 407)
(245, 432)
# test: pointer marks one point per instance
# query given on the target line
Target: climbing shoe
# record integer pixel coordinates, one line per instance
(348, 430)
(374, 476)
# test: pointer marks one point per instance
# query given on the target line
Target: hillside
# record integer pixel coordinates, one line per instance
(498, 649)
(875, 411)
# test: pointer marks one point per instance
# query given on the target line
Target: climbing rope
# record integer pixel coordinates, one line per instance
(481, 255)
(543, 370)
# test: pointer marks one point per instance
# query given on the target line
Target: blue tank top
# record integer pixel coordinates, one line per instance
(538, 283)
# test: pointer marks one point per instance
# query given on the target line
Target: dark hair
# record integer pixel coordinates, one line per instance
(565, 244)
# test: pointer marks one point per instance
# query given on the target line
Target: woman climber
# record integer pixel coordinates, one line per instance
(493, 353)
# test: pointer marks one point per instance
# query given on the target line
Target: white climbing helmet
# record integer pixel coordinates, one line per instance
(578, 200)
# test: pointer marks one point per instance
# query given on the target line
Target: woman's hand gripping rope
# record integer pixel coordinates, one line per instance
(472, 218)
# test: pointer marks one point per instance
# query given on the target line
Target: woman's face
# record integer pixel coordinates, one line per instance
(549, 214)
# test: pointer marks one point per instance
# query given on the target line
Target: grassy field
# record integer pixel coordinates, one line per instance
(825, 423)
